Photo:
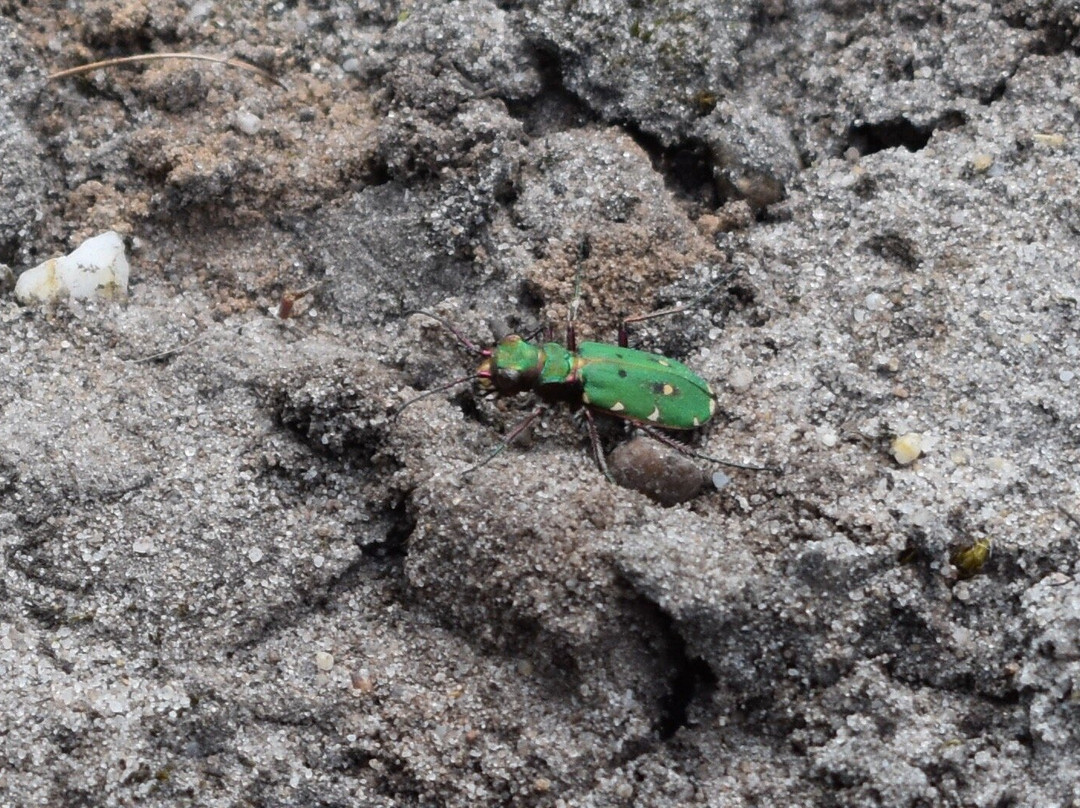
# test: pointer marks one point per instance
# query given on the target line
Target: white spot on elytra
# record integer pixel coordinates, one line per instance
(696, 421)
(617, 407)
(585, 398)
(664, 362)
(655, 414)
(712, 407)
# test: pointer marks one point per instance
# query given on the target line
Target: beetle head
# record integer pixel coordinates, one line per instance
(511, 367)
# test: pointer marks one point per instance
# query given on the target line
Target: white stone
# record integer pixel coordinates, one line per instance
(97, 268)
(828, 436)
(248, 122)
(741, 378)
(720, 480)
(143, 545)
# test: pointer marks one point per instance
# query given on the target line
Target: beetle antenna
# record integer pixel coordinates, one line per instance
(584, 251)
(468, 343)
(397, 410)
(534, 334)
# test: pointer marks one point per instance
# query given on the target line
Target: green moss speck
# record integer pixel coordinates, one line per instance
(639, 31)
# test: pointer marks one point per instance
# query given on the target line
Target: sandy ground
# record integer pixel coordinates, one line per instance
(231, 578)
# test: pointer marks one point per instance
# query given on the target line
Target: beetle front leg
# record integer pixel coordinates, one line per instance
(521, 426)
(598, 450)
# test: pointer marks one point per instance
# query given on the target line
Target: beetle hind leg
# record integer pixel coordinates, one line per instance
(598, 449)
(682, 448)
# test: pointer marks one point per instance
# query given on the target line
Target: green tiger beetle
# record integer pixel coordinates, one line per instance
(649, 390)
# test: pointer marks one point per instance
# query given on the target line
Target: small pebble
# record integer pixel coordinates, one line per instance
(887, 364)
(142, 546)
(248, 122)
(740, 379)
(1054, 140)
(324, 661)
(875, 301)
(362, 684)
(907, 448)
(921, 517)
(255, 555)
(828, 437)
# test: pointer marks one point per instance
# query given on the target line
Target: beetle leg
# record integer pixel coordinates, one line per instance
(598, 450)
(682, 448)
(521, 426)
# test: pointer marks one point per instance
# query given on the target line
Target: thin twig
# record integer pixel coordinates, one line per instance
(1071, 517)
(170, 351)
(150, 57)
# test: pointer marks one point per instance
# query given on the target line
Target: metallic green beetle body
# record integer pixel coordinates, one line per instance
(643, 387)
(638, 386)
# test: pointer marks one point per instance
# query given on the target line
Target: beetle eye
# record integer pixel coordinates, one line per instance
(510, 374)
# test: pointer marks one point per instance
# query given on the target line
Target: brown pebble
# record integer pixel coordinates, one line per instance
(362, 684)
(657, 471)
